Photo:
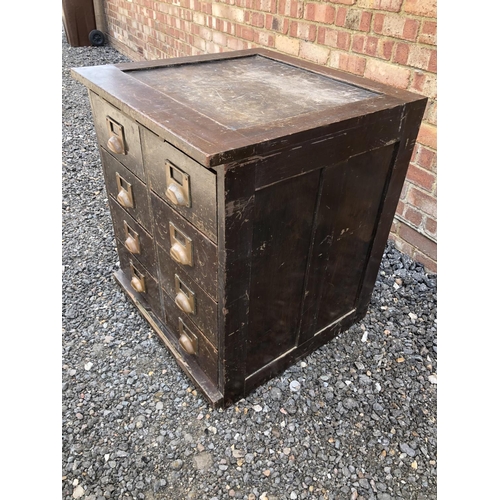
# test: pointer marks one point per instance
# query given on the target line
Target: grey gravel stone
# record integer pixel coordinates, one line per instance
(132, 418)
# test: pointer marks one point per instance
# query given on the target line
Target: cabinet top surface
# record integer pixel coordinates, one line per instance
(249, 91)
(226, 107)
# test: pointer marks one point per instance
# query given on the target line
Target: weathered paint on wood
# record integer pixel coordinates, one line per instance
(294, 173)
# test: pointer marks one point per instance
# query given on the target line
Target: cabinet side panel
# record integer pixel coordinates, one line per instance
(348, 213)
(283, 221)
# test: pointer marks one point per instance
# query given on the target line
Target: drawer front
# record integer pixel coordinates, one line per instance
(134, 237)
(118, 134)
(188, 187)
(146, 287)
(192, 344)
(188, 297)
(127, 190)
(185, 246)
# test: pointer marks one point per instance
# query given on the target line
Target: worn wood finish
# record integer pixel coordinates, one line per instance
(236, 202)
(347, 216)
(117, 177)
(204, 252)
(206, 354)
(210, 142)
(132, 155)
(287, 177)
(134, 237)
(150, 298)
(282, 226)
(205, 308)
(201, 212)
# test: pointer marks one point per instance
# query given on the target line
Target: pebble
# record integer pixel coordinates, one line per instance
(405, 448)
(134, 426)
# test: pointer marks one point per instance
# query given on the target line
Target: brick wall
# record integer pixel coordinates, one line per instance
(390, 41)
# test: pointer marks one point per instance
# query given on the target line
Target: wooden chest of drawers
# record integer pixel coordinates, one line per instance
(252, 195)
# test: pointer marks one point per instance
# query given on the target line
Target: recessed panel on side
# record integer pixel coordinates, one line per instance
(348, 213)
(283, 220)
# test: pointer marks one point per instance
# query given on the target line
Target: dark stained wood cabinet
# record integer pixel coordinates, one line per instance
(252, 195)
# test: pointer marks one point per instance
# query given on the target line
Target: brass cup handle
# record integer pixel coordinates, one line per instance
(179, 254)
(137, 284)
(125, 199)
(176, 195)
(186, 343)
(115, 145)
(183, 303)
(132, 245)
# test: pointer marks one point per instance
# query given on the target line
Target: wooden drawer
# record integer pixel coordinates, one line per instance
(118, 134)
(133, 237)
(181, 240)
(127, 190)
(189, 297)
(189, 336)
(184, 184)
(146, 287)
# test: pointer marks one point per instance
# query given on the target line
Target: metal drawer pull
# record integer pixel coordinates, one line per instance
(116, 142)
(184, 298)
(181, 249)
(177, 186)
(132, 240)
(137, 282)
(124, 196)
(187, 340)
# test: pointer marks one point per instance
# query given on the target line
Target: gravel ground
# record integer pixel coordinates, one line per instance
(354, 420)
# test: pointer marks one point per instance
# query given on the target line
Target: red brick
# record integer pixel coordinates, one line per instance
(385, 48)
(352, 64)
(400, 208)
(426, 8)
(264, 39)
(378, 23)
(236, 44)
(424, 83)
(412, 215)
(387, 73)
(426, 158)
(321, 13)
(428, 135)
(257, 19)
(420, 57)
(422, 243)
(389, 5)
(422, 200)
(430, 114)
(276, 23)
(401, 53)
(428, 33)
(341, 16)
(303, 30)
(245, 32)
(334, 38)
(430, 265)
(291, 8)
(265, 5)
(355, 19)
(433, 62)
(396, 26)
(369, 45)
(431, 226)
(421, 177)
